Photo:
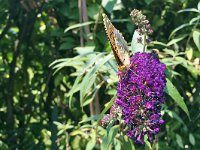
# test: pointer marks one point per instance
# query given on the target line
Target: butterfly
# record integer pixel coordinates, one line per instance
(118, 44)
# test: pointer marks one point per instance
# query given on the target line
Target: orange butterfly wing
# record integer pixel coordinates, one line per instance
(118, 44)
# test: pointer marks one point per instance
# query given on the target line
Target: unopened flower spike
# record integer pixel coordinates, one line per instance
(144, 28)
(140, 20)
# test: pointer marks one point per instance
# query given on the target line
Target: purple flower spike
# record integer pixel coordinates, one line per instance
(149, 105)
(140, 94)
(161, 121)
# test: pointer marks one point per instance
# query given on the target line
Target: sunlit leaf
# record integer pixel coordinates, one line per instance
(189, 10)
(127, 143)
(191, 139)
(196, 38)
(78, 25)
(147, 143)
(173, 92)
(108, 5)
(179, 28)
(108, 138)
(91, 143)
(179, 141)
(107, 106)
(198, 6)
(175, 40)
(148, 1)
(92, 118)
(158, 43)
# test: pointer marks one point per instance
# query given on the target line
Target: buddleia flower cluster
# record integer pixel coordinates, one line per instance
(140, 95)
(140, 91)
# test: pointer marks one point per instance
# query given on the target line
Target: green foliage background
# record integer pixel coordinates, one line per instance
(58, 106)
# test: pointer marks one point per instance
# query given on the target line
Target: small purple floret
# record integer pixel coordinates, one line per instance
(140, 94)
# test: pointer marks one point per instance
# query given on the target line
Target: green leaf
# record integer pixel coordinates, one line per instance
(173, 114)
(189, 53)
(179, 141)
(86, 49)
(193, 20)
(176, 40)
(196, 38)
(191, 139)
(117, 144)
(78, 25)
(147, 143)
(92, 118)
(67, 45)
(93, 11)
(179, 28)
(74, 89)
(90, 78)
(148, 1)
(107, 106)
(198, 6)
(189, 10)
(158, 43)
(127, 143)
(91, 144)
(173, 92)
(109, 137)
(108, 5)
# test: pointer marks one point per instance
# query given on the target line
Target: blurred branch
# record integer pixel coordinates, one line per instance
(80, 21)
(98, 18)
(83, 18)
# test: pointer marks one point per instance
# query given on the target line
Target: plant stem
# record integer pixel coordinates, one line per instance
(145, 42)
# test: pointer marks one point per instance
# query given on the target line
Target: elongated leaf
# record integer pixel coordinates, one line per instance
(96, 89)
(108, 5)
(189, 10)
(179, 141)
(191, 139)
(158, 43)
(92, 118)
(78, 25)
(147, 143)
(92, 142)
(173, 114)
(176, 40)
(173, 92)
(194, 19)
(107, 106)
(127, 143)
(86, 84)
(179, 28)
(198, 6)
(90, 77)
(93, 61)
(108, 138)
(196, 38)
(117, 144)
(86, 49)
(74, 89)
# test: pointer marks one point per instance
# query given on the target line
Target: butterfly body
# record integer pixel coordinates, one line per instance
(118, 44)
